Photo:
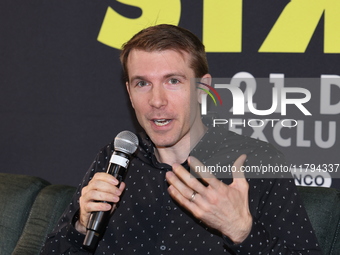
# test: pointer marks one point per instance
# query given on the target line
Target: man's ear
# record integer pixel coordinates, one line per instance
(206, 79)
(129, 92)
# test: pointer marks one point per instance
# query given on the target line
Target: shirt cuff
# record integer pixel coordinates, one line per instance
(257, 240)
(75, 238)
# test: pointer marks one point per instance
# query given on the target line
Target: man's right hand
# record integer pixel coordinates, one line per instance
(102, 187)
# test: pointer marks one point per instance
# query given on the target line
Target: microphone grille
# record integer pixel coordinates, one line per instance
(126, 142)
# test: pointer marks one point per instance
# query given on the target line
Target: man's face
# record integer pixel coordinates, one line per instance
(164, 100)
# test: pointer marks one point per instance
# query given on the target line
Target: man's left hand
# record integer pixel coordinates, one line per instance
(220, 206)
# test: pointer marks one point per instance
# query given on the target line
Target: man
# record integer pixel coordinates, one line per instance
(162, 209)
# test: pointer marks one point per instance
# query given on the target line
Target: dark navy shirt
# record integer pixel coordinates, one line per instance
(149, 221)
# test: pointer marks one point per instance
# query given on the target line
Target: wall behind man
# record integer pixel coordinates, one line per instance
(62, 94)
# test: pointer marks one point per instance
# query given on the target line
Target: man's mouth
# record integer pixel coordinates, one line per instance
(161, 122)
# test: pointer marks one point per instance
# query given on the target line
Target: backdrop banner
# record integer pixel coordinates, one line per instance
(63, 97)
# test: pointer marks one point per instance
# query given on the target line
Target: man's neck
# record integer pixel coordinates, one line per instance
(179, 152)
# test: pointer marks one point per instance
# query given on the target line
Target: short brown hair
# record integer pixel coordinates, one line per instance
(167, 37)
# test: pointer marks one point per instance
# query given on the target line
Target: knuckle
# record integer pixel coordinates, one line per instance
(104, 196)
(84, 190)
(87, 208)
(214, 200)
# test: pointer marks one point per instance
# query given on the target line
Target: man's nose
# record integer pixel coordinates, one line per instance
(158, 97)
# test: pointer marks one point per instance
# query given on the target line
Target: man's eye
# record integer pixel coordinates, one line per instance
(141, 84)
(173, 81)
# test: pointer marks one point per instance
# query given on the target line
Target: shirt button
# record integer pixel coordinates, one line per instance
(163, 247)
(168, 208)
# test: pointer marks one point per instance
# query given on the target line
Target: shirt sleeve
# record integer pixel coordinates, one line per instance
(280, 221)
(65, 239)
(261, 241)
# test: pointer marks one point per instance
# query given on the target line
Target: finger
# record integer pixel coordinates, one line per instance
(97, 206)
(177, 177)
(93, 200)
(102, 187)
(97, 196)
(104, 182)
(199, 168)
(206, 176)
(239, 179)
(237, 167)
(105, 177)
(122, 186)
(88, 204)
(188, 179)
(183, 200)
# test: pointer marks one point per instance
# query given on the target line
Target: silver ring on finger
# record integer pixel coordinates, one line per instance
(192, 198)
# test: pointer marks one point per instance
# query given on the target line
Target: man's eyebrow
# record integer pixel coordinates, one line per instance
(175, 74)
(141, 77)
(137, 77)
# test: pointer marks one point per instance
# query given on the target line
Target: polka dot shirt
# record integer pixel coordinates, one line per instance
(149, 221)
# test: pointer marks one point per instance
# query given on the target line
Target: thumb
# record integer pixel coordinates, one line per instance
(237, 167)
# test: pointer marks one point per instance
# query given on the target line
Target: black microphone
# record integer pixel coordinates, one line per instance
(125, 144)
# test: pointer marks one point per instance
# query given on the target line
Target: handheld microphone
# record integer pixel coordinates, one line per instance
(125, 144)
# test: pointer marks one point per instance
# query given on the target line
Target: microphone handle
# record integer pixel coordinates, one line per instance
(99, 220)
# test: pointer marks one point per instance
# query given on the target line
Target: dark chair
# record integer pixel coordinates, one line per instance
(30, 208)
(323, 209)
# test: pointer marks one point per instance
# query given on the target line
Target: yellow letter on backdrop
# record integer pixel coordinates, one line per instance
(117, 29)
(293, 30)
(222, 25)
(332, 27)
